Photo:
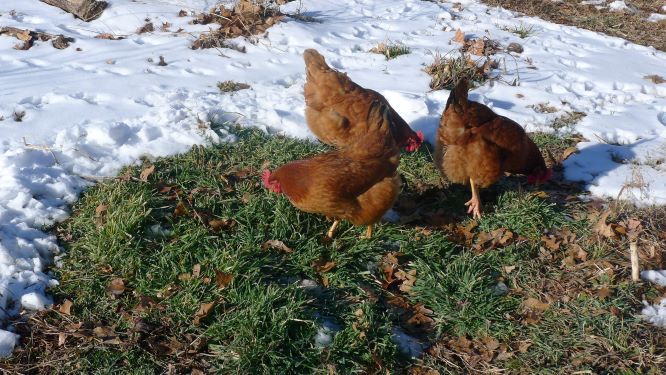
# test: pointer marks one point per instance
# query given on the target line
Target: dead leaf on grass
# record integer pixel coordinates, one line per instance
(146, 172)
(276, 245)
(323, 266)
(204, 310)
(569, 151)
(100, 214)
(180, 210)
(116, 287)
(222, 279)
(66, 307)
(219, 225)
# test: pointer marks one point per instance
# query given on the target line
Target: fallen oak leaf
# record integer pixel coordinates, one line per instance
(323, 266)
(535, 305)
(116, 287)
(66, 307)
(222, 279)
(146, 172)
(602, 228)
(100, 214)
(204, 310)
(180, 210)
(276, 245)
(218, 225)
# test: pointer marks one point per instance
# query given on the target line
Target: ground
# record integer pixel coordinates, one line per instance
(178, 260)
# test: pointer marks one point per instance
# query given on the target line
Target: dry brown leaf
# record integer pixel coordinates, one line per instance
(66, 307)
(180, 210)
(204, 310)
(61, 338)
(323, 266)
(477, 47)
(524, 346)
(103, 332)
(116, 287)
(459, 37)
(569, 151)
(218, 225)
(602, 228)
(508, 269)
(100, 214)
(108, 36)
(276, 245)
(656, 79)
(222, 279)
(535, 305)
(146, 172)
(604, 293)
(185, 276)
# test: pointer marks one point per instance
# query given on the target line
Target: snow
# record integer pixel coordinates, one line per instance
(656, 17)
(654, 276)
(407, 344)
(7, 342)
(618, 6)
(655, 314)
(93, 110)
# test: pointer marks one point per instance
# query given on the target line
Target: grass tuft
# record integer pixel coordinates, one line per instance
(445, 71)
(232, 86)
(391, 50)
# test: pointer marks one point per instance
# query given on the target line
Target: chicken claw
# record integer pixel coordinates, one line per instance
(474, 203)
(474, 207)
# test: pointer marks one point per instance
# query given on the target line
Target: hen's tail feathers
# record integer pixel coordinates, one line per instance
(314, 60)
(458, 95)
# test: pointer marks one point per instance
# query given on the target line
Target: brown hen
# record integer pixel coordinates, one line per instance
(337, 108)
(356, 183)
(477, 145)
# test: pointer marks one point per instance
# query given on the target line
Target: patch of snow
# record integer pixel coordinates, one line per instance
(7, 342)
(654, 276)
(325, 333)
(655, 314)
(408, 345)
(618, 5)
(656, 17)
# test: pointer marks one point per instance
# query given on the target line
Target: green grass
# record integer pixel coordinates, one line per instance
(445, 71)
(524, 214)
(522, 30)
(232, 86)
(391, 50)
(192, 237)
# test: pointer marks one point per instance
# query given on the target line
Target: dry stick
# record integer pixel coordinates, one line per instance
(635, 267)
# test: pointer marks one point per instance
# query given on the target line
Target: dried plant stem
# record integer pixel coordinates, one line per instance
(635, 266)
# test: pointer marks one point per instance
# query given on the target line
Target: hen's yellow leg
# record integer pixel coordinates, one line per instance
(474, 204)
(330, 232)
(368, 232)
